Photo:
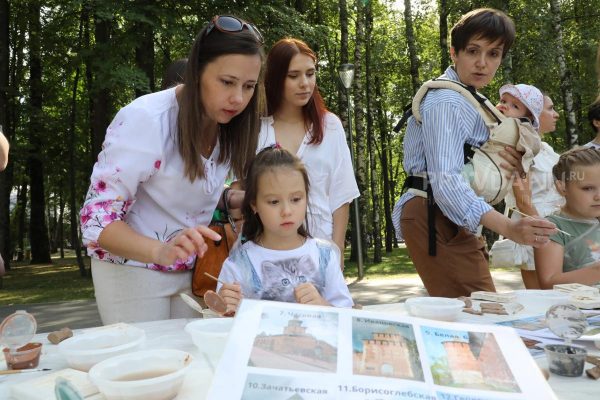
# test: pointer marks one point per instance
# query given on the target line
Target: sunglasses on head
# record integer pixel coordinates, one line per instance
(231, 24)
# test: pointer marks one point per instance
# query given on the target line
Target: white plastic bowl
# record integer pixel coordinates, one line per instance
(142, 375)
(438, 308)
(82, 351)
(210, 335)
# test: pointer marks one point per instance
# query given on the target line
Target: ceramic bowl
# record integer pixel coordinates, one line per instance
(142, 375)
(438, 308)
(210, 335)
(84, 350)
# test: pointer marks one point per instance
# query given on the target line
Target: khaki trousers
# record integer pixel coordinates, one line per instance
(125, 293)
(461, 264)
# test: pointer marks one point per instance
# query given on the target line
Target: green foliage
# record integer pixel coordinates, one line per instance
(112, 67)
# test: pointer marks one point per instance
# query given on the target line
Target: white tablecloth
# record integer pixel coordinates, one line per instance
(159, 334)
(171, 334)
(580, 388)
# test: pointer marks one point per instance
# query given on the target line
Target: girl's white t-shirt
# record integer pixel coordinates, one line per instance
(274, 274)
(139, 178)
(330, 171)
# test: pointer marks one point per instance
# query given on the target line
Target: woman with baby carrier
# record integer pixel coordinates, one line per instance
(452, 261)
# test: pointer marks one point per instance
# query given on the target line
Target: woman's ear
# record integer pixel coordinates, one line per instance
(560, 187)
(452, 53)
(253, 207)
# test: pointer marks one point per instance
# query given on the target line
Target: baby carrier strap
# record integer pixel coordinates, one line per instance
(490, 114)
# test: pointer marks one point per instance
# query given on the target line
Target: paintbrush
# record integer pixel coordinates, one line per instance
(215, 278)
(525, 215)
(20, 371)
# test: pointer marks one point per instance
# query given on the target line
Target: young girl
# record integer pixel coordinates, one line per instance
(160, 175)
(574, 256)
(301, 124)
(281, 261)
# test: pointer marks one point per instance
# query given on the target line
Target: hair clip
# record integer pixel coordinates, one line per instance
(277, 146)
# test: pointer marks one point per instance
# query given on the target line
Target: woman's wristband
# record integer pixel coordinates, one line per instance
(225, 199)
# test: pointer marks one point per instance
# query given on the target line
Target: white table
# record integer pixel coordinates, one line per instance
(159, 334)
(171, 334)
(580, 388)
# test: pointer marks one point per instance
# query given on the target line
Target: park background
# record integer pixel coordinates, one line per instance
(66, 67)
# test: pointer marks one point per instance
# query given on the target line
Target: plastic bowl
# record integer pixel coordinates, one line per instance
(142, 375)
(85, 350)
(210, 335)
(438, 308)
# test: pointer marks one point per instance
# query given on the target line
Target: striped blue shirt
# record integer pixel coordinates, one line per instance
(436, 147)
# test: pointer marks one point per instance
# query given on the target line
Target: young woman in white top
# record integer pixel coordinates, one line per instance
(300, 123)
(536, 194)
(161, 172)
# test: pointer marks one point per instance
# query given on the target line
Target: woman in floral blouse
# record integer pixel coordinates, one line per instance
(161, 172)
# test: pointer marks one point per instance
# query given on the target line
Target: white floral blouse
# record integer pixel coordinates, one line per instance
(139, 178)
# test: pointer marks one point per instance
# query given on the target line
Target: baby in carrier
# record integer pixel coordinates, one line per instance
(522, 104)
(522, 101)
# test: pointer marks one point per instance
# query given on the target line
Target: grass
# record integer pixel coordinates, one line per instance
(393, 265)
(45, 283)
(60, 281)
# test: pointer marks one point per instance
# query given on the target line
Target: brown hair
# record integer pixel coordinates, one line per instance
(238, 138)
(564, 170)
(271, 158)
(484, 23)
(278, 63)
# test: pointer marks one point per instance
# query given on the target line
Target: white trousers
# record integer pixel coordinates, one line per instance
(135, 294)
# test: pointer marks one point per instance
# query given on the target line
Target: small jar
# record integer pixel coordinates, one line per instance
(565, 360)
(27, 356)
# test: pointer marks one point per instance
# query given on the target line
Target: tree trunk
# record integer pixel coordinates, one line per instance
(507, 63)
(6, 176)
(343, 8)
(445, 55)
(144, 50)
(61, 224)
(73, 206)
(412, 47)
(20, 215)
(100, 94)
(566, 86)
(359, 127)
(38, 231)
(388, 195)
(376, 228)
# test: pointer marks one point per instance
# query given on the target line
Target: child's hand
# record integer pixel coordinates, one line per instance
(231, 293)
(306, 293)
(522, 192)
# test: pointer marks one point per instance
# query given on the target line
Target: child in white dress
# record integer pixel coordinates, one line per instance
(281, 261)
(536, 194)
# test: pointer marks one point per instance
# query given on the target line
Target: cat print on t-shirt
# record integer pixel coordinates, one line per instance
(280, 278)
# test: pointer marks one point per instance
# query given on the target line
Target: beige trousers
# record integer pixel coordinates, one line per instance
(135, 294)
